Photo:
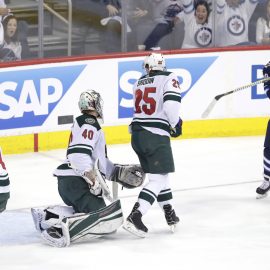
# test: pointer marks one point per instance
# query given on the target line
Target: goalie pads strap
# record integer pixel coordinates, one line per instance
(129, 176)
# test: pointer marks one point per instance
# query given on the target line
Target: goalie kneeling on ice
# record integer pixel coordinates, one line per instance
(85, 227)
(129, 176)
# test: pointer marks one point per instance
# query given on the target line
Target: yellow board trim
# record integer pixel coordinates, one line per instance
(119, 134)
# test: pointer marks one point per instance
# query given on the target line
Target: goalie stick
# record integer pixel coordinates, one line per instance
(105, 189)
(106, 193)
(218, 97)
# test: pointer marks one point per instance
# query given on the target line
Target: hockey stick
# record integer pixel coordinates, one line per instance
(105, 189)
(218, 97)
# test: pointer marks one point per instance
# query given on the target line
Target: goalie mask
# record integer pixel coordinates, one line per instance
(129, 176)
(154, 61)
(91, 100)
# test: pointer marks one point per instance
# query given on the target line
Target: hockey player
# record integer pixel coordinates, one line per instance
(81, 184)
(263, 189)
(4, 184)
(156, 118)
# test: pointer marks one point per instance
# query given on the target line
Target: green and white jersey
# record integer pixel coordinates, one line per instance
(4, 184)
(157, 102)
(86, 144)
(4, 181)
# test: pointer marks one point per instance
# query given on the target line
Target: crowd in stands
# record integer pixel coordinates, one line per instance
(13, 36)
(152, 25)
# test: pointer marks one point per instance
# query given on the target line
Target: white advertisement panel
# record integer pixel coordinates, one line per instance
(44, 97)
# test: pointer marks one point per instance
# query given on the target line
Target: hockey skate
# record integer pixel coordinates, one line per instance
(134, 223)
(170, 216)
(263, 189)
(54, 237)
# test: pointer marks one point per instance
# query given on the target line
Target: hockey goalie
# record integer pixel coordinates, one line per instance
(82, 183)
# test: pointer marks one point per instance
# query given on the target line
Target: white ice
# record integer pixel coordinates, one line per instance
(222, 225)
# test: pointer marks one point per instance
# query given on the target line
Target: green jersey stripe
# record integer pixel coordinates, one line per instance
(4, 183)
(172, 97)
(79, 150)
(152, 124)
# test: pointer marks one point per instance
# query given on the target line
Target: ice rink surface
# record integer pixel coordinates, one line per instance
(222, 225)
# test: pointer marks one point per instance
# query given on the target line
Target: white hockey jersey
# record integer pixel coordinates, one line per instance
(232, 22)
(4, 184)
(197, 35)
(86, 144)
(157, 102)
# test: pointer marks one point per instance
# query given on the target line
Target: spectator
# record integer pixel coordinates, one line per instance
(198, 24)
(12, 39)
(233, 18)
(11, 35)
(263, 26)
(139, 17)
(208, 1)
(113, 26)
(102, 15)
(164, 13)
(87, 14)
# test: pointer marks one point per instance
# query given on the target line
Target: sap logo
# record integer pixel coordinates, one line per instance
(27, 97)
(256, 74)
(188, 70)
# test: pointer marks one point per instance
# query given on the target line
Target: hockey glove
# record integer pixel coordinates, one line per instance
(129, 175)
(266, 70)
(177, 130)
(94, 185)
(266, 74)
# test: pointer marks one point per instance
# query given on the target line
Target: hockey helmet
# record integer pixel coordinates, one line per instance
(154, 61)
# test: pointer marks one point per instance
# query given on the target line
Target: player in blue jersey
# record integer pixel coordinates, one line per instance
(263, 189)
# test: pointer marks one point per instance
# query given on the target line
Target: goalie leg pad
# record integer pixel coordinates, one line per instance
(93, 225)
(129, 176)
(54, 237)
(45, 218)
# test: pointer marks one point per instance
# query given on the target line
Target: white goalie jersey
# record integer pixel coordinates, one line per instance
(157, 102)
(86, 145)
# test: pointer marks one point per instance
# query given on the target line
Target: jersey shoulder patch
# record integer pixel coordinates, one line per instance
(85, 119)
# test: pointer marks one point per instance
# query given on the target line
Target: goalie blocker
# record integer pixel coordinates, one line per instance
(84, 227)
(129, 176)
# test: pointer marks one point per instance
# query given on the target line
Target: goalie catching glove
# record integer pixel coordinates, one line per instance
(177, 130)
(129, 176)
